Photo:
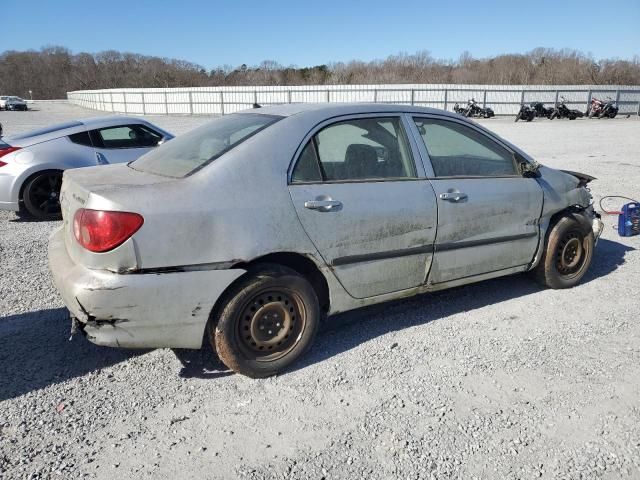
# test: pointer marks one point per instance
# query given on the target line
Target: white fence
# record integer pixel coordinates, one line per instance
(504, 100)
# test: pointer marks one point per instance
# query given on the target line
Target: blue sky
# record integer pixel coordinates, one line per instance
(304, 33)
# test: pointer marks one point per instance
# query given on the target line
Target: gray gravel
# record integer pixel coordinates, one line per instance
(496, 380)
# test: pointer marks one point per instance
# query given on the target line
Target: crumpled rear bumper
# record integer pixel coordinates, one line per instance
(132, 310)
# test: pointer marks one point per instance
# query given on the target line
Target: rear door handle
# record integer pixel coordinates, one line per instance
(323, 205)
(453, 196)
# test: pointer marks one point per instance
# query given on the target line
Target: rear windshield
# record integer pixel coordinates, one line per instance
(43, 131)
(190, 152)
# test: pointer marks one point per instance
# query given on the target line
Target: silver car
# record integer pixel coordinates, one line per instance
(31, 164)
(249, 230)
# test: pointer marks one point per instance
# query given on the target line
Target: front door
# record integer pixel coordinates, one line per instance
(123, 144)
(487, 211)
(364, 205)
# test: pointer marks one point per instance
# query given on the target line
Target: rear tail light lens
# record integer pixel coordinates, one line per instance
(103, 230)
(6, 151)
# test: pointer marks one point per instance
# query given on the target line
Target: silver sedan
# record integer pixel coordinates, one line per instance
(31, 164)
(249, 230)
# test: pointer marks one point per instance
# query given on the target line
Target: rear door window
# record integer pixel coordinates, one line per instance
(356, 150)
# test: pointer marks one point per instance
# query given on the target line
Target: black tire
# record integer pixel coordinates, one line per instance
(266, 321)
(41, 195)
(567, 255)
(613, 114)
(530, 117)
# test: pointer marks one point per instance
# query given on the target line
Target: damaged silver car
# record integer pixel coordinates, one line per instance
(249, 230)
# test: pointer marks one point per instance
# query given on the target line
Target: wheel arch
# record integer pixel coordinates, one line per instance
(301, 264)
(31, 174)
(572, 211)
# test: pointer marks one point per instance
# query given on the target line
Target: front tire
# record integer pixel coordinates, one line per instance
(267, 321)
(567, 255)
(41, 195)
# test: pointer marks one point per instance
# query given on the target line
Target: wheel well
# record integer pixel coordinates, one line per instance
(301, 264)
(28, 179)
(573, 211)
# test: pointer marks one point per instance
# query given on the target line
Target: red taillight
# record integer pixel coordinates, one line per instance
(103, 230)
(6, 151)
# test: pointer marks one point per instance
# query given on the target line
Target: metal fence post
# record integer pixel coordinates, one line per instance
(484, 99)
(221, 102)
(522, 97)
(556, 102)
(618, 98)
(166, 103)
(255, 97)
(328, 97)
(190, 103)
(589, 99)
(111, 100)
(124, 95)
(446, 97)
(413, 97)
(289, 95)
(144, 108)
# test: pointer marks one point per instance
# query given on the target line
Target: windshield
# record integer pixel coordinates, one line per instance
(192, 151)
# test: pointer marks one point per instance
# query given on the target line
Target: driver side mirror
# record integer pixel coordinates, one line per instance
(527, 169)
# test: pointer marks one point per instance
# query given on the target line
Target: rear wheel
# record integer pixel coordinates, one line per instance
(41, 195)
(567, 255)
(268, 320)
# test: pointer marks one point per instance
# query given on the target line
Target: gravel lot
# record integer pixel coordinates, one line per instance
(496, 380)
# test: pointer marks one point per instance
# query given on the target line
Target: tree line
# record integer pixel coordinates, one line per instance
(51, 72)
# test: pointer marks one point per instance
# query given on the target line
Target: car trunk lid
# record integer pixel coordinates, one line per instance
(102, 188)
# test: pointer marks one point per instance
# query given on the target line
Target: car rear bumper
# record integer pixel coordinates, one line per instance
(132, 310)
(7, 187)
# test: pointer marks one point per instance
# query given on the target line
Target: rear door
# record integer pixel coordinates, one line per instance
(364, 203)
(487, 211)
(123, 143)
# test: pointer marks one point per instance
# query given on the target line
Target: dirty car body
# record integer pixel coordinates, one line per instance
(367, 202)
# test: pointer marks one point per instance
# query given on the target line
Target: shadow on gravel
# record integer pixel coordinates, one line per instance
(608, 256)
(203, 363)
(35, 352)
(345, 331)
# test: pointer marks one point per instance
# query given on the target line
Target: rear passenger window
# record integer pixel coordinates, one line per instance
(456, 150)
(359, 149)
(128, 136)
(81, 138)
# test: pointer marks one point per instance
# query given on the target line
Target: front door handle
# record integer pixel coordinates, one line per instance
(323, 205)
(453, 196)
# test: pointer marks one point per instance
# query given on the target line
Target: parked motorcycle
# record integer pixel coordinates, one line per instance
(526, 113)
(541, 110)
(562, 111)
(473, 109)
(602, 109)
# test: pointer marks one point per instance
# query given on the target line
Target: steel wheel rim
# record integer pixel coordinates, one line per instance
(570, 254)
(45, 194)
(271, 324)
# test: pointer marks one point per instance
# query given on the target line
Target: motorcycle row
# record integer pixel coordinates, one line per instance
(473, 110)
(597, 108)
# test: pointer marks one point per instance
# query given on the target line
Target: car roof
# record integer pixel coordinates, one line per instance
(110, 121)
(336, 109)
